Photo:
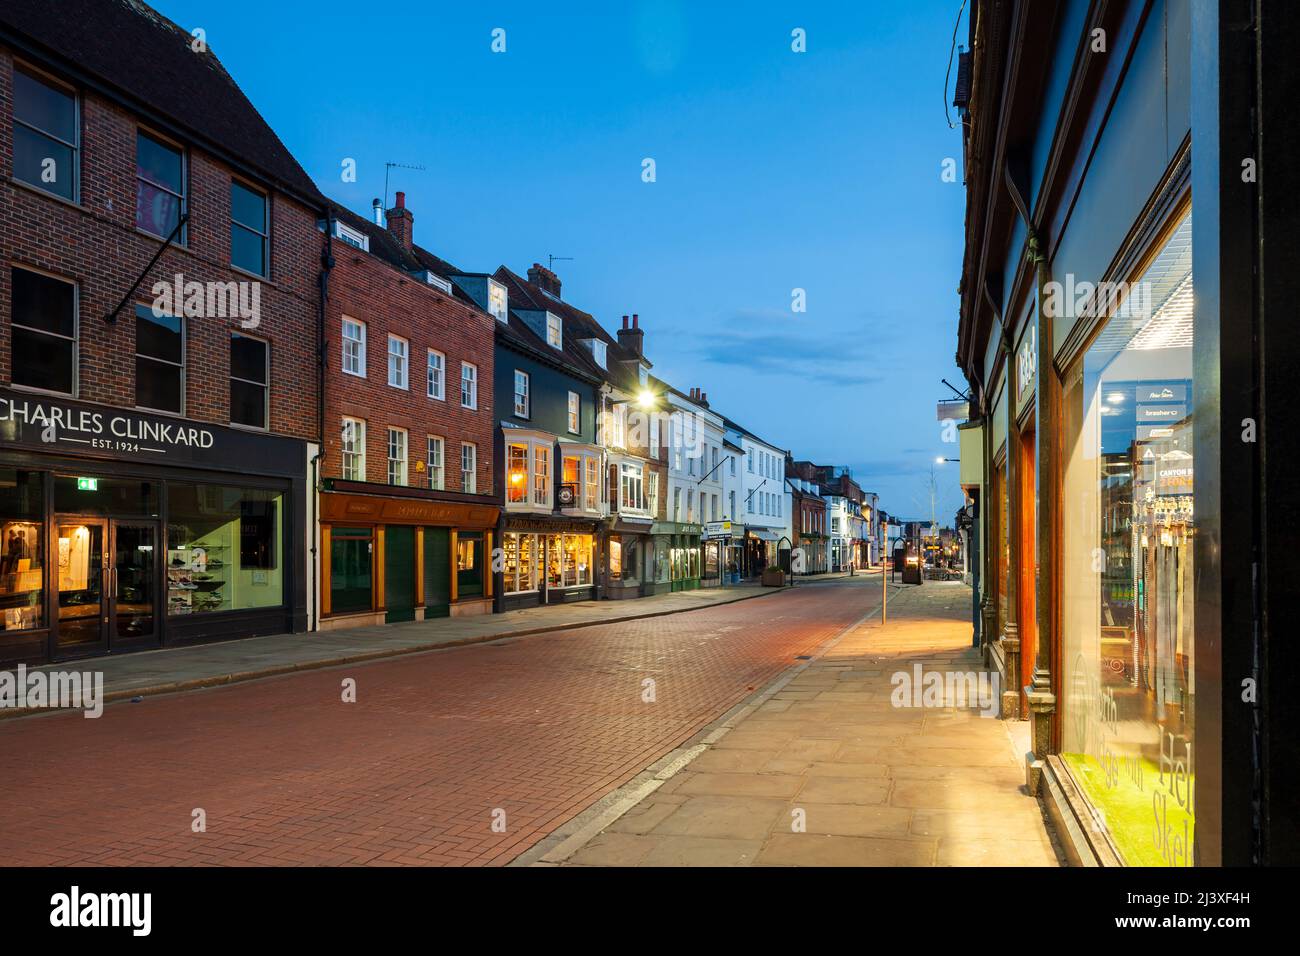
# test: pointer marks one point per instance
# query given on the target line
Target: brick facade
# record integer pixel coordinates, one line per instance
(96, 244)
(368, 289)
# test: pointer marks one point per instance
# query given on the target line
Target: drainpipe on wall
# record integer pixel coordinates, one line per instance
(326, 264)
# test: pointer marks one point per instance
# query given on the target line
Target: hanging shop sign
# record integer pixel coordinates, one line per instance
(1027, 363)
(58, 426)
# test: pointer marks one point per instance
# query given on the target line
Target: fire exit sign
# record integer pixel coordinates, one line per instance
(87, 484)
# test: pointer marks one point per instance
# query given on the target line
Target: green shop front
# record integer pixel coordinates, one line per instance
(680, 555)
(124, 531)
(397, 553)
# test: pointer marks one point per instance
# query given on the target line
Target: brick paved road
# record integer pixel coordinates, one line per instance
(411, 773)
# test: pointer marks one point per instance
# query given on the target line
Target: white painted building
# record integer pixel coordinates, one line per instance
(696, 496)
(732, 471)
(840, 532)
(765, 506)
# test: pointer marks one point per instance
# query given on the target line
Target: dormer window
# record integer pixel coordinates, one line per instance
(437, 281)
(644, 375)
(497, 300)
(554, 331)
(598, 351)
(353, 237)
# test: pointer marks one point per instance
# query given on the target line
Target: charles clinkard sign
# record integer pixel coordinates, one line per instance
(51, 425)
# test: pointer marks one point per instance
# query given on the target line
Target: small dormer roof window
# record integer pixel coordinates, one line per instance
(643, 374)
(597, 347)
(353, 237)
(554, 331)
(498, 300)
(437, 281)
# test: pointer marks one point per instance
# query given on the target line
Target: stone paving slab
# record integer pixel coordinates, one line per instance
(824, 770)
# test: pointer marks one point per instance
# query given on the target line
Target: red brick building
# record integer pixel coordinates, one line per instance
(407, 505)
(154, 415)
(808, 509)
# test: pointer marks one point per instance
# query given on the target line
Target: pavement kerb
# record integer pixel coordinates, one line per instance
(572, 836)
(279, 670)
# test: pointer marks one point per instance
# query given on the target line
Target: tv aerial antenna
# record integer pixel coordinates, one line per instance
(389, 167)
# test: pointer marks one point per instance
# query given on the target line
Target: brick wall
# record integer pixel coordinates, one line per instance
(368, 289)
(96, 244)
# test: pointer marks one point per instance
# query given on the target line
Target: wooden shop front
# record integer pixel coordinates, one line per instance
(403, 555)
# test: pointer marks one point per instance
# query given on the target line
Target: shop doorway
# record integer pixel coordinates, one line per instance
(107, 585)
(399, 574)
(437, 572)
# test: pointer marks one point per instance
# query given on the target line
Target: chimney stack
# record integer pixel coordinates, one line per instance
(633, 338)
(541, 276)
(401, 223)
(377, 212)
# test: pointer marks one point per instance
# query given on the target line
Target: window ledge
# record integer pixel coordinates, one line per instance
(252, 429)
(45, 193)
(152, 237)
(36, 390)
(252, 275)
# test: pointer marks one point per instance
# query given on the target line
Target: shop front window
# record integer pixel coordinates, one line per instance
(622, 558)
(577, 560)
(351, 551)
(223, 548)
(469, 563)
(22, 537)
(96, 495)
(521, 562)
(1128, 721)
(568, 560)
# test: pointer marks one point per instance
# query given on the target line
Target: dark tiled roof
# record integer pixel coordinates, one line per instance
(135, 51)
(578, 325)
(385, 246)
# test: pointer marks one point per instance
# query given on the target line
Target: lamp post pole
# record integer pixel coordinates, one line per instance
(884, 577)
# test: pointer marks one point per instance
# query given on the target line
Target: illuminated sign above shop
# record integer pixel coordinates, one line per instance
(99, 431)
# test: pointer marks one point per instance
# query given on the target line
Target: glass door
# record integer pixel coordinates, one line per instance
(133, 584)
(107, 586)
(83, 567)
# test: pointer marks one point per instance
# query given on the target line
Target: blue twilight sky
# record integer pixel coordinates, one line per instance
(775, 170)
